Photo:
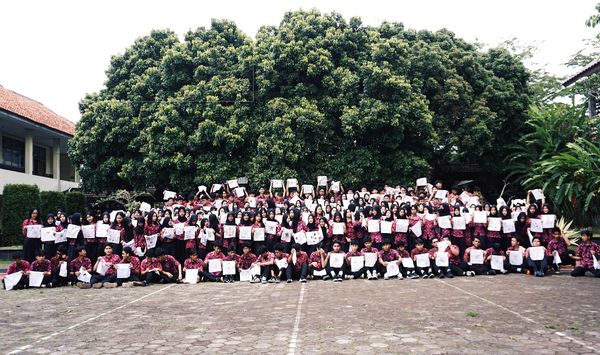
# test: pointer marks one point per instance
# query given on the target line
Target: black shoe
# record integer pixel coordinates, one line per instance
(449, 275)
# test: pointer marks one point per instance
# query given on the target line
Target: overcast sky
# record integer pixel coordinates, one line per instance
(57, 51)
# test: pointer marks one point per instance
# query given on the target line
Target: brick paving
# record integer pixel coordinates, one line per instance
(502, 314)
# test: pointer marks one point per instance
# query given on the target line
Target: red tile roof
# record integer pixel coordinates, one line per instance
(34, 111)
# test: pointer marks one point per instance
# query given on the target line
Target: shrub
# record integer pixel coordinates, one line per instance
(17, 199)
(74, 202)
(51, 201)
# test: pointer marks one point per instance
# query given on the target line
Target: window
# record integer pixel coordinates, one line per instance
(39, 161)
(13, 153)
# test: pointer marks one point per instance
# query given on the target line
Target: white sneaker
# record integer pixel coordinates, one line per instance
(369, 276)
(400, 277)
(386, 277)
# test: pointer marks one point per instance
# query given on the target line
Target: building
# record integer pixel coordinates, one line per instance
(33, 144)
(592, 95)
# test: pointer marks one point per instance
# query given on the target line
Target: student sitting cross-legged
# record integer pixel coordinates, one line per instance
(297, 264)
(106, 272)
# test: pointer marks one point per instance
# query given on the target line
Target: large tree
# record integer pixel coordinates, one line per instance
(315, 95)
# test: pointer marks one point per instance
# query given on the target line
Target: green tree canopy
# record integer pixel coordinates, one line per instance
(316, 95)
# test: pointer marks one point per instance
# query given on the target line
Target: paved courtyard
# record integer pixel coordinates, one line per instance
(487, 314)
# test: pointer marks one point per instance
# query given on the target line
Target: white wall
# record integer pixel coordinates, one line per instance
(44, 183)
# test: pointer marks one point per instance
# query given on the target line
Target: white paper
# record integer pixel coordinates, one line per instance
(300, 237)
(322, 181)
(286, 235)
(386, 227)
(494, 224)
(373, 225)
(441, 259)
(444, 222)
(178, 227)
(62, 271)
(537, 194)
(239, 192)
(251, 201)
(216, 187)
(102, 230)
(279, 218)
(423, 260)
(232, 183)
(497, 263)
(371, 259)
(515, 258)
(229, 231)
(47, 234)
(60, 237)
(336, 259)
(476, 256)
(338, 228)
(536, 225)
(422, 182)
(430, 216)
(114, 236)
(392, 268)
(408, 263)
(271, 227)
(548, 220)
(508, 226)
(89, 231)
(536, 253)
(247, 274)
(258, 234)
(214, 265)
(357, 263)
(189, 232)
(123, 271)
(34, 231)
(313, 238)
(36, 278)
(281, 263)
(308, 189)
(229, 267)
(459, 223)
(443, 245)
(245, 233)
(556, 260)
(401, 225)
(416, 229)
(335, 186)
(145, 207)
(480, 217)
(12, 280)
(292, 183)
(102, 267)
(151, 241)
(305, 216)
(441, 194)
(168, 194)
(596, 264)
(84, 275)
(73, 231)
(319, 272)
(191, 276)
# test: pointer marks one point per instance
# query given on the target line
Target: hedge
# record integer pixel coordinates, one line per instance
(51, 201)
(74, 202)
(17, 200)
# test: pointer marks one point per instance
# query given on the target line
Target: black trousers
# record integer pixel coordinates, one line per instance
(293, 274)
(479, 269)
(30, 245)
(103, 278)
(580, 271)
(132, 277)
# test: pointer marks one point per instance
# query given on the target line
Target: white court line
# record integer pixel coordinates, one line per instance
(519, 315)
(25, 347)
(294, 337)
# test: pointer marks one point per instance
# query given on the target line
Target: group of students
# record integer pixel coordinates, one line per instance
(292, 233)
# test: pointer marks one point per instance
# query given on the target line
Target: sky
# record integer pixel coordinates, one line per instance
(57, 51)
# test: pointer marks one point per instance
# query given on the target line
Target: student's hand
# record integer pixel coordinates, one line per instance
(76, 273)
(385, 263)
(314, 264)
(593, 252)
(26, 273)
(168, 274)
